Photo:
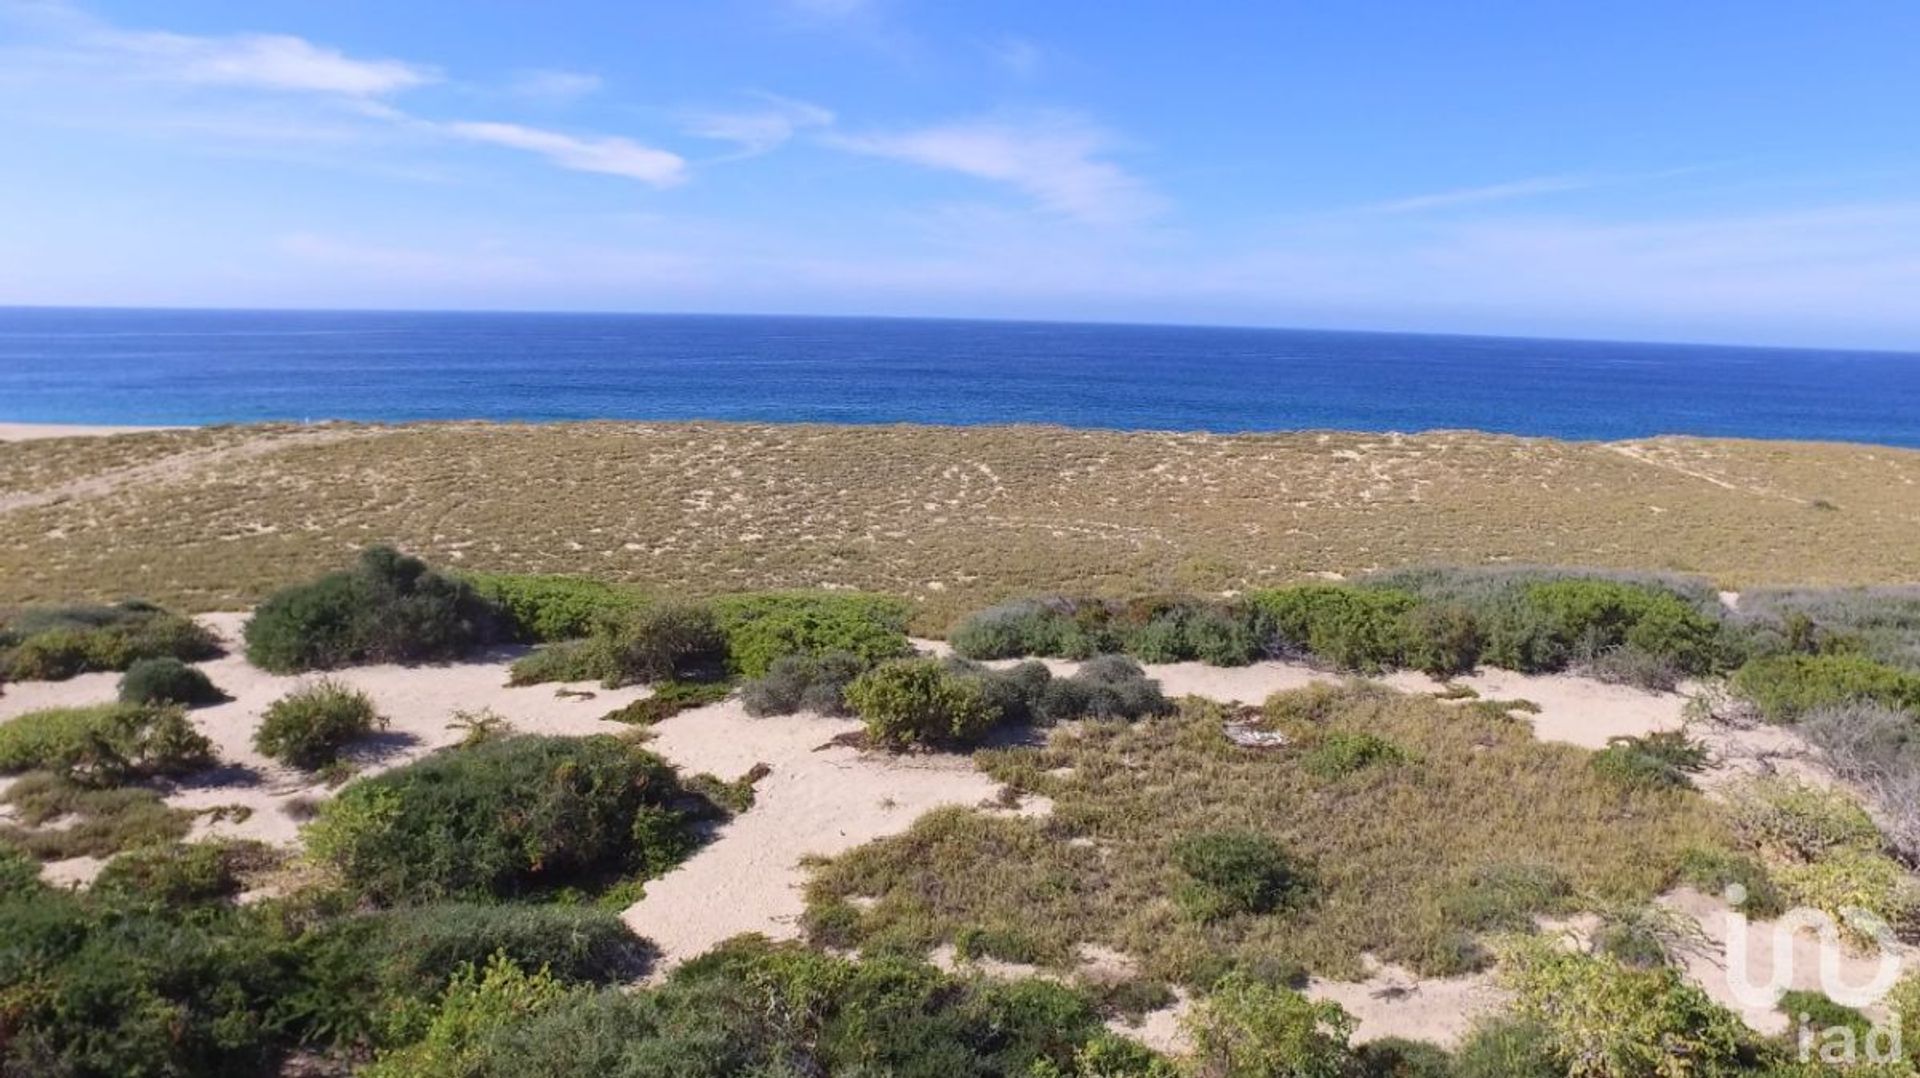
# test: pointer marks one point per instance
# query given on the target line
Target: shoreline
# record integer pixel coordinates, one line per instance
(33, 432)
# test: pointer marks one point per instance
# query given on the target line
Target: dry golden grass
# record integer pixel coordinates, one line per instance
(953, 517)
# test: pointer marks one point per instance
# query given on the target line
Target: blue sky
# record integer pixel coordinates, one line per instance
(1699, 171)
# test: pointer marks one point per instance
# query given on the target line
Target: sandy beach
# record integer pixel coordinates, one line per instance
(34, 432)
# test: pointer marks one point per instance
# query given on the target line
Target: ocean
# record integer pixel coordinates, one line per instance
(181, 367)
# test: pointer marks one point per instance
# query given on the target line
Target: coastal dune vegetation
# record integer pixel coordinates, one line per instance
(1212, 864)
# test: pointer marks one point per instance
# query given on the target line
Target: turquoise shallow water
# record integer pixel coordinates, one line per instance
(119, 366)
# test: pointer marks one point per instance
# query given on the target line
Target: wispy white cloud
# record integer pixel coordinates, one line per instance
(612, 155)
(758, 130)
(1054, 158)
(550, 86)
(264, 62)
(1494, 192)
(1017, 56)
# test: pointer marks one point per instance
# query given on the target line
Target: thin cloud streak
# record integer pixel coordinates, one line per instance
(612, 155)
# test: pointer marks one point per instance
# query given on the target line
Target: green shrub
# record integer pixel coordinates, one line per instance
(1785, 688)
(183, 873)
(1814, 1011)
(1397, 1057)
(19, 872)
(476, 1005)
(763, 628)
(1714, 871)
(816, 683)
(1185, 630)
(1798, 821)
(167, 680)
(1881, 623)
(1247, 1029)
(1847, 879)
(1047, 627)
(1608, 1020)
(1441, 639)
(309, 726)
(1339, 753)
(1236, 872)
(1544, 625)
(1107, 687)
(1507, 896)
(103, 745)
(542, 608)
(1352, 628)
(666, 642)
(504, 817)
(1668, 758)
(54, 643)
(94, 821)
(919, 702)
(1629, 665)
(1506, 1048)
(387, 608)
(669, 698)
(567, 660)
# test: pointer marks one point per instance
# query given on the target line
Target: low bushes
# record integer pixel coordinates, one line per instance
(95, 821)
(1353, 628)
(544, 608)
(1339, 753)
(666, 642)
(504, 817)
(1785, 688)
(54, 643)
(104, 745)
(920, 702)
(816, 683)
(1235, 872)
(309, 726)
(567, 660)
(1105, 687)
(388, 608)
(762, 628)
(1822, 851)
(1668, 758)
(1877, 749)
(1245, 1028)
(183, 873)
(167, 680)
(669, 698)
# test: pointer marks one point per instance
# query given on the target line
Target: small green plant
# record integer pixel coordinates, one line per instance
(1785, 688)
(476, 1004)
(1667, 758)
(388, 608)
(480, 726)
(1236, 872)
(309, 726)
(1814, 1011)
(566, 660)
(669, 698)
(917, 702)
(1339, 753)
(167, 680)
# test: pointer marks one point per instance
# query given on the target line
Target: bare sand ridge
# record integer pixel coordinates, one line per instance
(29, 432)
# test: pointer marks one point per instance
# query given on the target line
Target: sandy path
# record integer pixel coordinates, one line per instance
(817, 801)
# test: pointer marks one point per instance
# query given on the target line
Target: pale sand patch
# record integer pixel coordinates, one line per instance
(32, 432)
(819, 800)
(1396, 1002)
(418, 701)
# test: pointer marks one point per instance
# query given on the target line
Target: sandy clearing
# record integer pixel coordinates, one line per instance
(1396, 1002)
(817, 801)
(32, 432)
(418, 701)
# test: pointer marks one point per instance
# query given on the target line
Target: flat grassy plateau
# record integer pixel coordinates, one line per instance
(954, 517)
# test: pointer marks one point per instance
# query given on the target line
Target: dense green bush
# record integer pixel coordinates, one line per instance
(182, 873)
(19, 872)
(751, 1007)
(309, 726)
(1353, 628)
(910, 703)
(1245, 1028)
(1026, 627)
(504, 817)
(53, 643)
(816, 683)
(388, 608)
(1236, 872)
(1183, 631)
(765, 627)
(591, 659)
(1507, 1048)
(1880, 623)
(1548, 624)
(542, 608)
(1339, 753)
(1666, 759)
(1783, 688)
(1441, 639)
(106, 744)
(167, 680)
(665, 642)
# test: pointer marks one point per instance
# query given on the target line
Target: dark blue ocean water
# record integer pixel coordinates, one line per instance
(118, 366)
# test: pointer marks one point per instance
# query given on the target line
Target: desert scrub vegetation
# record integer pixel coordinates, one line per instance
(1647, 632)
(104, 745)
(184, 873)
(541, 608)
(1878, 750)
(1784, 688)
(167, 680)
(763, 628)
(956, 703)
(309, 726)
(1822, 850)
(54, 643)
(1880, 623)
(816, 683)
(1480, 828)
(388, 607)
(520, 815)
